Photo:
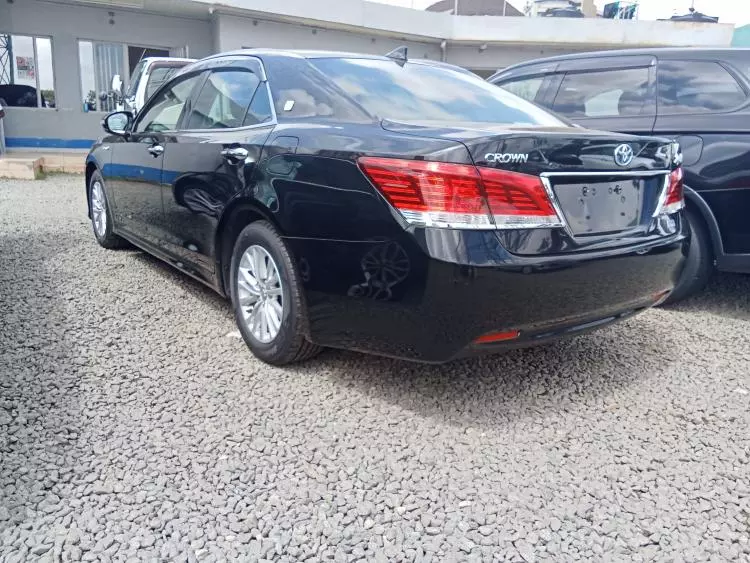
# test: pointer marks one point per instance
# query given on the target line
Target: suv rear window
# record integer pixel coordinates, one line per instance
(697, 87)
(428, 93)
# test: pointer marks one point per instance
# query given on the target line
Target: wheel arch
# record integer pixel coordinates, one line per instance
(238, 214)
(694, 200)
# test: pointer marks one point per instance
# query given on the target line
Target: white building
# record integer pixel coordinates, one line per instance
(63, 48)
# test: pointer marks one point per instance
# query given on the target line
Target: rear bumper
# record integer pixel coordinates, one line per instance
(397, 298)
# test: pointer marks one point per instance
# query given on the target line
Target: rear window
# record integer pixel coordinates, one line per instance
(424, 92)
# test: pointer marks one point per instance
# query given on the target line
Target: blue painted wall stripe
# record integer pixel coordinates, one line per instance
(47, 143)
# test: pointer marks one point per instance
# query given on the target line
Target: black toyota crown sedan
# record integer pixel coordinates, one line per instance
(398, 207)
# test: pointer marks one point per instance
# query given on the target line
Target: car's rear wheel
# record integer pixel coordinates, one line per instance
(267, 297)
(700, 260)
(101, 216)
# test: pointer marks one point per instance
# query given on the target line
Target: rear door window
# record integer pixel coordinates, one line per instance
(610, 93)
(697, 87)
(300, 92)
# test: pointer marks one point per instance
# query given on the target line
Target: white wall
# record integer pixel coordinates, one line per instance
(371, 18)
(237, 32)
(591, 33)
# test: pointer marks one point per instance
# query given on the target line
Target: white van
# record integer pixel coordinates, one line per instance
(148, 75)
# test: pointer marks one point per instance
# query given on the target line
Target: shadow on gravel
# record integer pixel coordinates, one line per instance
(727, 295)
(40, 368)
(172, 275)
(487, 390)
(494, 390)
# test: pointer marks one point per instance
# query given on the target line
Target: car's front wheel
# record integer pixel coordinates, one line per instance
(267, 297)
(101, 215)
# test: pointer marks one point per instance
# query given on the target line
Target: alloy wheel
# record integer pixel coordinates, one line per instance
(99, 209)
(260, 295)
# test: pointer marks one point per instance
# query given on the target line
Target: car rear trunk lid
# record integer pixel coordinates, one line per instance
(606, 188)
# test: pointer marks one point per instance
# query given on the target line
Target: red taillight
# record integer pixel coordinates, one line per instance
(442, 194)
(675, 199)
(430, 193)
(517, 200)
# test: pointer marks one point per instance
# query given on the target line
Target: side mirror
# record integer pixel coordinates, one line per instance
(117, 84)
(118, 122)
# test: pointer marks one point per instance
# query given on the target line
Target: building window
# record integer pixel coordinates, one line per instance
(100, 63)
(26, 76)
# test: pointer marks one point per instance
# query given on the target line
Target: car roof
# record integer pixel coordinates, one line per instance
(300, 54)
(693, 52)
(167, 59)
(323, 54)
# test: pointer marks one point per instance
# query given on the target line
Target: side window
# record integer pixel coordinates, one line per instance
(300, 91)
(164, 112)
(610, 93)
(260, 108)
(697, 87)
(527, 88)
(224, 100)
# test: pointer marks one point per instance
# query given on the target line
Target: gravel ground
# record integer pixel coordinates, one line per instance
(134, 425)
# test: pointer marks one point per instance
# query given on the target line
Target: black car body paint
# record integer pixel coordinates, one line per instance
(372, 280)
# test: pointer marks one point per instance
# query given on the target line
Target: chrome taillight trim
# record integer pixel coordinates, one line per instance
(662, 198)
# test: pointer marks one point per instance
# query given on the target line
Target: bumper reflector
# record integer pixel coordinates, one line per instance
(492, 337)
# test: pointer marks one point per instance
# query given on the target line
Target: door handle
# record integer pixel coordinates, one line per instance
(235, 154)
(156, 150)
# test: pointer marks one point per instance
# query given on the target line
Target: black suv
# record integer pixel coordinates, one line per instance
(701, 97)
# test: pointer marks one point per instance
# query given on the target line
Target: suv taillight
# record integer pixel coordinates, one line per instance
(675, 199)
(443, 194)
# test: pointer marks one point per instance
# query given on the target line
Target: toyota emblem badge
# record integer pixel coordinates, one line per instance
(623, 155)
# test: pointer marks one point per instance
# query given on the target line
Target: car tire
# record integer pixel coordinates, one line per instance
(271, 316)
(700, 260)
(101, 215)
